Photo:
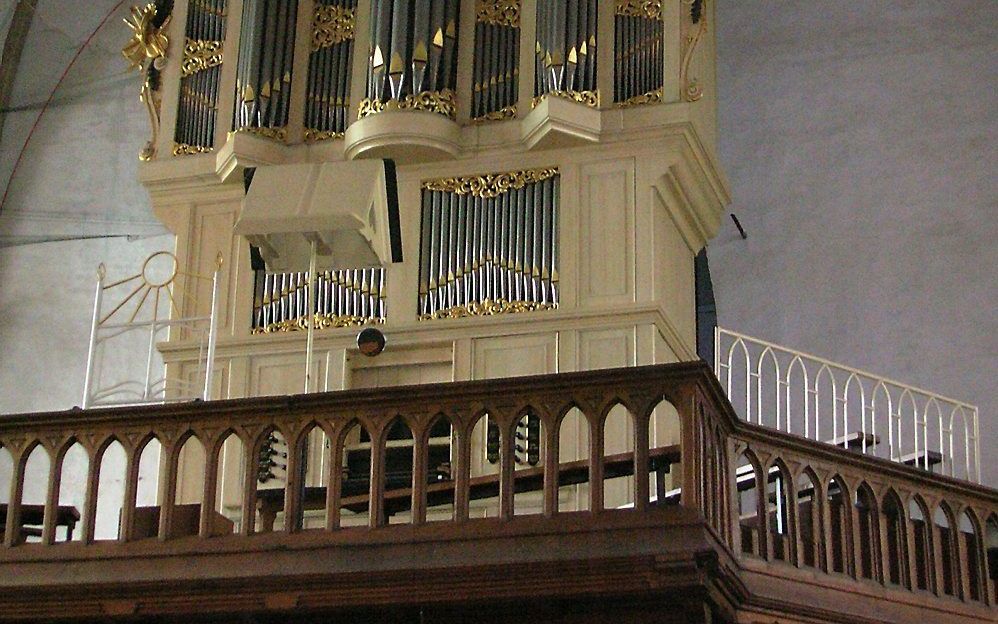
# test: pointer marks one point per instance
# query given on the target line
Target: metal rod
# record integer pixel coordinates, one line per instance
(310, 339)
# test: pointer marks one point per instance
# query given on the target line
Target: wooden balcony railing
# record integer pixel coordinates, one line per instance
(771, 503)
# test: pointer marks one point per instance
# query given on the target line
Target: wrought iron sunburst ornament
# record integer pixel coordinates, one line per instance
(146, 51)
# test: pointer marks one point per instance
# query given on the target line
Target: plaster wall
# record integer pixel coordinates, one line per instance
(860, 142)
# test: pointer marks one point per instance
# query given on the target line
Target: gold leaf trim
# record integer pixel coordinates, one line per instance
(489, 308)
(498, 12)
(277, 134)
(652, 97)
(314, 136)
(332, 25)
(490, 185)
(183, 149)
(649, 9)
(504, 113)
(589, 98)
(320, 321)
(443, 102)
(148, 42)
(199, 55)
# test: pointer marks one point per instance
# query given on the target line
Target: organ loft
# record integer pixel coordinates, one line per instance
(516, 195)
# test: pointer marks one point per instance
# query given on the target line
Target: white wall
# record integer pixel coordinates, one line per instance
(860, 141)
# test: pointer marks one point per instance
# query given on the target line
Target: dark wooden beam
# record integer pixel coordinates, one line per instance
(20, 24)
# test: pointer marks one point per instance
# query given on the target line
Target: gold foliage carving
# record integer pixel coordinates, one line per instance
(314, 136)
(489, 308)
(491, 185)
(443, 102)
(498, 12)
(649, 9)
(589, 98)
(507, 112)
(200, 55)
(277, 134)
(183, 149)
(146, 51)
(332, 25)
(321, 321)
(652, 97)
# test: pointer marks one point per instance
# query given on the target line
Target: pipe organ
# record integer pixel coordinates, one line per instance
(344, 298)
(566, 50)
(497, 60)
(413, 56)
(197, 109)
(265, 67)
(327, 98)
(638, 52)
(489, 244)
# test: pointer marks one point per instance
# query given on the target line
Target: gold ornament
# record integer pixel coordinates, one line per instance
(589, 98)
(314, 136)
(652, 97)
(443, 102)
(507, 112)
(498, 12)
(183, 149)
(692, 91)
(648, 9)
(200, 55)
(491, 185)
(489, 308)
(332, 24)
(146, 51)
(320, 321)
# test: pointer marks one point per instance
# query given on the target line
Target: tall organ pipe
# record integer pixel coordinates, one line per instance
(638, 52)
(265, 68)
(413, 56)
(197, 107)
(566, 50)
(327, 96)
(497, 58)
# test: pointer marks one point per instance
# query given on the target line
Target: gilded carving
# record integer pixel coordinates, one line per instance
(443, 102)
(146, 51)
(692, 91)
(489, 308)
(277, 134)
(507, 112)
(332, 25)
(589, 98)
(650, 9)
(652, 97)
(321, 321)
(183, 149)
(314, 136)
(200, 55)
(491, 185)
(498, 12)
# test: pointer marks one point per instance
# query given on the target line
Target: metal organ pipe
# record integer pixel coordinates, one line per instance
(413, 56)
(197, 105)
(327, 95)
(638, 52)
(265, 68)
(497, 56)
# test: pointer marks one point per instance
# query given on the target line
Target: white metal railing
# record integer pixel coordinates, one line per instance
(803, 394)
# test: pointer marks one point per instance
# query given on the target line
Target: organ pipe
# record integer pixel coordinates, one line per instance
(265, 68)
(413, 56)
(489, 244)
(566, 51)
(638, 52)
(197, 109)
(344, 298)
(497, 58)
(327, 97)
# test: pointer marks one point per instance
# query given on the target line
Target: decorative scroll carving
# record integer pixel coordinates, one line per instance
(692, 91)
(498, 12)
(507, 112)
(200, 55)
(652, 97)
(489, 308)
(491, 185)
(320, 321)
(277, 134)
(650, 9)
(441, 102)
(183, 149)
(146, 51)
(314, 136)
(333, 24)
(589, 98)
